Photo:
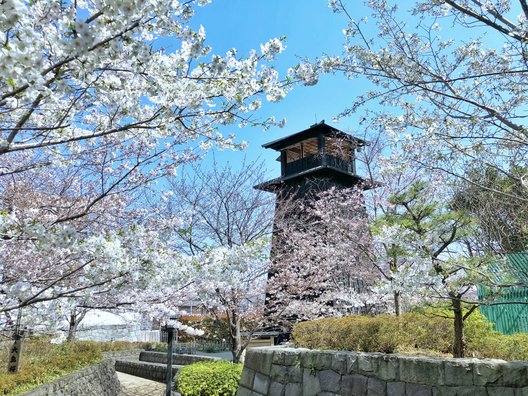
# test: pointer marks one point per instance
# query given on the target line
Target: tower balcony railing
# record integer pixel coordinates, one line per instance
(315, 161)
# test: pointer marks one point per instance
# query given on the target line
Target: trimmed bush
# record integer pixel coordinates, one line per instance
(354, 333)
(500, 346)
(209, 379)
(383, 333)
(426, 332)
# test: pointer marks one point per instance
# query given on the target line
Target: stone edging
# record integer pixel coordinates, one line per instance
(95, 380)
(289, 371)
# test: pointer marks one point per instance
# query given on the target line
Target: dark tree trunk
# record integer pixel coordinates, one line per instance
(72, 327)
(236, 339)
(397, 303)
(459, 345)
(75, 318)
(393, 264)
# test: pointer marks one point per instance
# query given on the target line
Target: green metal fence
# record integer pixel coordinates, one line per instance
(508, 308)
(506, 311)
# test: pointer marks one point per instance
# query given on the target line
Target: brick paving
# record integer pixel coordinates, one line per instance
(136, 386)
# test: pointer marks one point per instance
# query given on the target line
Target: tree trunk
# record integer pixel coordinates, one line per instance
(74, 320)
(459, 346)
(397, 303)
(393, 263)
(72, 326)
(236, 340)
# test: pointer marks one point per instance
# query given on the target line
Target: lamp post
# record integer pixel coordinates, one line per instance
(170, 329)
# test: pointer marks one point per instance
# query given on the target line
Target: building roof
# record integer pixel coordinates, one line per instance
(313, 131)
(278, 183)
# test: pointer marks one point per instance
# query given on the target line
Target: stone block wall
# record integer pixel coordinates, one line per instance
(279, 371)
(177, 358)
(125, 354)
(153, 365)
(151, 371)
(98, 380)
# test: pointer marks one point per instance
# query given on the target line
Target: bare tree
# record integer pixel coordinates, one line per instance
(220, 206)
(226, 225)
(502, 218)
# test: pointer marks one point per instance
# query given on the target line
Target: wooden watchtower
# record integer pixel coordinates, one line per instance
(313, 160)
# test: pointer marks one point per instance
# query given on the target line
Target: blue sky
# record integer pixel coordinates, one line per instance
(311, 29)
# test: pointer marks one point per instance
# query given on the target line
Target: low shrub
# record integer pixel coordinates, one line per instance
(500, 346)
(424, 333)
(357, 333)
(209, 379)
(429, 331)
(383, 333)
(40, 365)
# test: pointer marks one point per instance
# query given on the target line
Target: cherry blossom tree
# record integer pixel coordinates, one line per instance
(93, 111)
(225, 235)
(230, 283)
(389, 179)
(86, 262)
(81, 72)
(448, 73)
(319, 265)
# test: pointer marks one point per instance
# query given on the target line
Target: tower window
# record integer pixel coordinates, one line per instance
(306, 148)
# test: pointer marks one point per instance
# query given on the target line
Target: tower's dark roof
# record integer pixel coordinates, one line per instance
(313, 131)
(319, 172)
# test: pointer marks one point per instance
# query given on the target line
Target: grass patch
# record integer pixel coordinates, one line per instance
(42, 362)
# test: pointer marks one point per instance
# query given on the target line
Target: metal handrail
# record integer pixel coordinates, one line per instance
(314, 161)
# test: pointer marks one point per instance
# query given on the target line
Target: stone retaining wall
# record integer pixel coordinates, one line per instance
(177, 358)
(279, 371)
(97, 380)
(153, 365)
(125, 354)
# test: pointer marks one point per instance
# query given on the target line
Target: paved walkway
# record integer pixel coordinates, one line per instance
(137, 386)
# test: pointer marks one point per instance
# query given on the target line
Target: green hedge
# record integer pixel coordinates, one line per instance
(426, 332)
(209, 379)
